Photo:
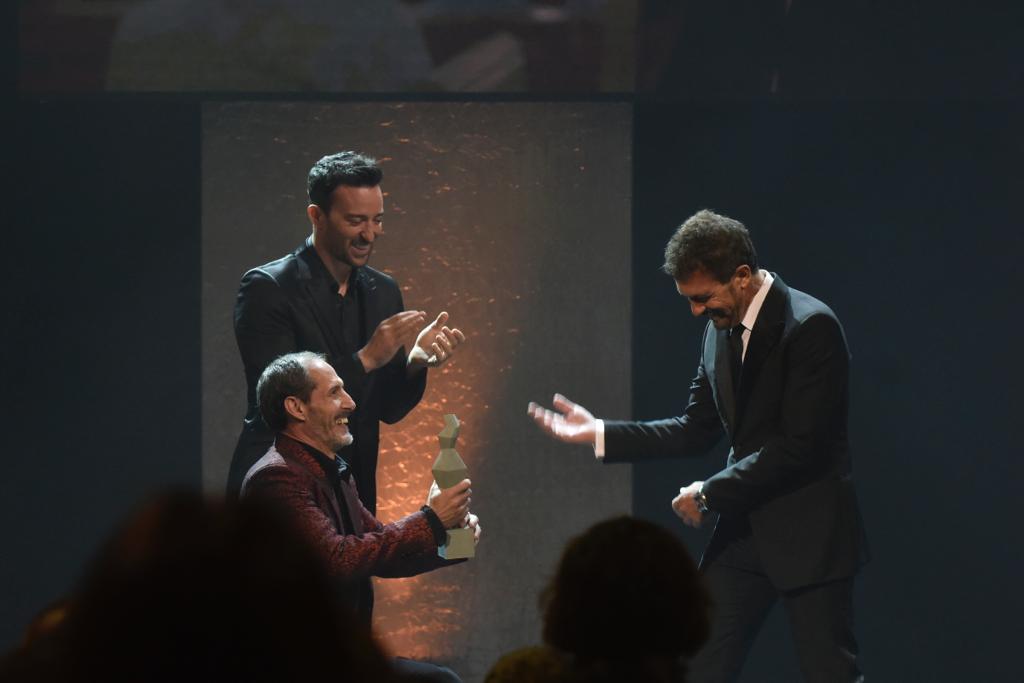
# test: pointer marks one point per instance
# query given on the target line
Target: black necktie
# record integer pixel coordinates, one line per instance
(736, 356)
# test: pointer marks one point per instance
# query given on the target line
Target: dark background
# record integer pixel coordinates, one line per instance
(889, 191)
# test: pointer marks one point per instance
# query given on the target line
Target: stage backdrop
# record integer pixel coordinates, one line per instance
(515, 218)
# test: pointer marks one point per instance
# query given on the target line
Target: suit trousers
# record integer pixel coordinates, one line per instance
(820, 616)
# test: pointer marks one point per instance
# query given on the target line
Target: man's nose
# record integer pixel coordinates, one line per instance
(371, 230)
(347, 403)
(697, 309)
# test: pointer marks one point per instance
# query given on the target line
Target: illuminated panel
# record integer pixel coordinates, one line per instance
(421, 617)
(513, 217)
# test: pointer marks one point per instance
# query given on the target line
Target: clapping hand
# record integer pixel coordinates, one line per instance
(435, 344)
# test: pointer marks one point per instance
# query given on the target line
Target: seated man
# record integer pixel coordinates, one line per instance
(303, 400)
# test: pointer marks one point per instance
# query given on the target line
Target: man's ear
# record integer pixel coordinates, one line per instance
(743, 273)
(315, 213)
(295, 408)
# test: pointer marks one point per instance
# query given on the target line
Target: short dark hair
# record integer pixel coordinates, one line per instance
(286, 376)
(625, 588)
(710, 242)
(344, 168)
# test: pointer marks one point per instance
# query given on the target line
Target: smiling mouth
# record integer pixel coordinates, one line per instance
(341, 421)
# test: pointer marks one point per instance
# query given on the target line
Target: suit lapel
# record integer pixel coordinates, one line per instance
(351, 504)
(723, 378)
(765, 335)
(297, 458)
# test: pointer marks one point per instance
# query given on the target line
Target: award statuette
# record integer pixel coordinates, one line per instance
(449, 470)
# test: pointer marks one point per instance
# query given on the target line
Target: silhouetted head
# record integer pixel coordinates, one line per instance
(196, 589)
(626, 588)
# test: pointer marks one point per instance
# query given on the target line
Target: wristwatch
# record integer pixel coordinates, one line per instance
(702, 501)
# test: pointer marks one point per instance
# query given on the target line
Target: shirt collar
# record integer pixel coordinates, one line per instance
(322, 272)
(755, 304)
(334, 468)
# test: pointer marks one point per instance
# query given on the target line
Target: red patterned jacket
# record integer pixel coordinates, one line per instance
(354, 543)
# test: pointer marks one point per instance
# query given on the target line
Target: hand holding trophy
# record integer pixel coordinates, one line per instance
(449, 469)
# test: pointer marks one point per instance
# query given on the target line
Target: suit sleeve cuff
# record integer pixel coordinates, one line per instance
(358, 365)
(436, 526)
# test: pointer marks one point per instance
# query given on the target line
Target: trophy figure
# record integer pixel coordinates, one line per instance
(449, 470)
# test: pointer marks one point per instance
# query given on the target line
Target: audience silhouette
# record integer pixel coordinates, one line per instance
(626, 603)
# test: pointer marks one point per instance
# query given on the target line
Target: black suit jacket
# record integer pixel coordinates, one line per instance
(788, 472)
(291, 305)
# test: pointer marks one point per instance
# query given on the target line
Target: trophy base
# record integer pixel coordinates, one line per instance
(458, 546)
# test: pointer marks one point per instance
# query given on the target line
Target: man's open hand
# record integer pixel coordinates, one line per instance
(571, 423)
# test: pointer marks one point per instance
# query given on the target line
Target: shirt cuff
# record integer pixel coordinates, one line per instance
(436, 526)
(599, 439)
(358, 365)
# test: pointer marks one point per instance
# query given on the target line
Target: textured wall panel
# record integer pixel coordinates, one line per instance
(515, 218)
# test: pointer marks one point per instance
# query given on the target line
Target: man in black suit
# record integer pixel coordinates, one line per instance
(324, 297)
(773, 378)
